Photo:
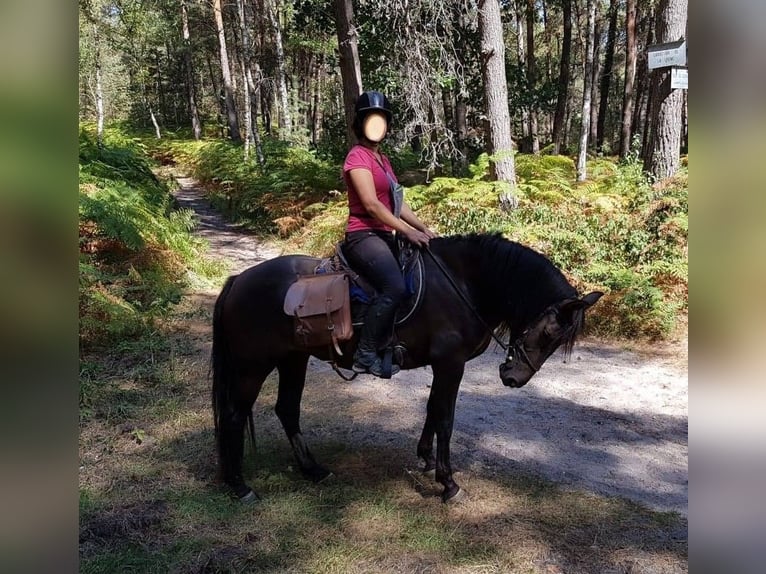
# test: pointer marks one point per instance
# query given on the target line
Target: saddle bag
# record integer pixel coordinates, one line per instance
(321, 310)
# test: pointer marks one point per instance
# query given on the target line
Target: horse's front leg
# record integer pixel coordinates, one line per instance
(426, 448)
(292, 378)
(441, 412)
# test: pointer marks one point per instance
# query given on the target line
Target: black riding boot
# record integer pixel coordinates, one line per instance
(377, 328)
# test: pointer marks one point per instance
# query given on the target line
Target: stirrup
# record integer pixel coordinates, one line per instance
(376, 368)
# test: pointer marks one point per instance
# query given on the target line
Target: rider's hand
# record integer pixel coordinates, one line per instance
(418, 238)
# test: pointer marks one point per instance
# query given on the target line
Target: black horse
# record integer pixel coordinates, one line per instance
(505, 286)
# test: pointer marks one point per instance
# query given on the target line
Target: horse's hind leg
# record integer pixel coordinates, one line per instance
(292, 377)
(231, 429)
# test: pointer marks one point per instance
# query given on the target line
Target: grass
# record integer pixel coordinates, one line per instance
(150, 501)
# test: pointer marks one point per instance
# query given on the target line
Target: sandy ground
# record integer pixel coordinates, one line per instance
(609, 421)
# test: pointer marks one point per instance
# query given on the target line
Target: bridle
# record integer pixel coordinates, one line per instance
(512, 350)
(517, 349)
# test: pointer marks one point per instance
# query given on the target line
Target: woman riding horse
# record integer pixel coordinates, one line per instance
(376, 210)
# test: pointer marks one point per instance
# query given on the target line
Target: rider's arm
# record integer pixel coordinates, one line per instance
(365, 187)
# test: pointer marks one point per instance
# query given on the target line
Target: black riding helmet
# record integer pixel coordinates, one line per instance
(371, 101)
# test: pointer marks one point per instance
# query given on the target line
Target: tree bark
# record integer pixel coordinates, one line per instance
(532, 76)
(285, 117)
(231, 108)
(564, 71)
(643, 108)
(461, 129)
(586, 103)
(316, 114)
(595, 73)
(606, 75)
(665, 125)
(189, 65)
(521, 58)
(350, 69)
(630, 78)
(243, 28)
(99, 88)
(496, 91)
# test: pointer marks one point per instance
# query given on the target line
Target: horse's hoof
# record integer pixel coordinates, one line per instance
(326, 477)
(430, 473)
(458, 497)
(318, 475)
(249, 498)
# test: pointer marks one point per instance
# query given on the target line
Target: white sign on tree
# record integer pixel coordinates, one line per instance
(667, 55)
(679, 79)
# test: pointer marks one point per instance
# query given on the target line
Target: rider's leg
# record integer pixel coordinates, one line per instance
(372, 256)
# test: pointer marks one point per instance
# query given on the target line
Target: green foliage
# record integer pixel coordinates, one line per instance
(614, 232)
(136, 253)
(265, 197)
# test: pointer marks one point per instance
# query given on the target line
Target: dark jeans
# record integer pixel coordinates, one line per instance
(371, 254)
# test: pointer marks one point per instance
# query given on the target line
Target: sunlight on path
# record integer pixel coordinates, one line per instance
(227, 240)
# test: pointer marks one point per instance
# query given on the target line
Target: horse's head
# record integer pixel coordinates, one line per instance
(559, 323)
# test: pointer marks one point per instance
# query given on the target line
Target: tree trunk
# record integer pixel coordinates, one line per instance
(586, 98)
(243, 28)
(189, 65)
(630, 78)
(350, 69)
(564, 70)
(231, 109)
(643, 101)
(316, 115)
(606, 74)
(521, 59)
(461, 128)
(254, 113)
(532, 76)
(595, 72)
(156, 124)
(665, 125)
(285, 118)
(99, 87)
(496, 91)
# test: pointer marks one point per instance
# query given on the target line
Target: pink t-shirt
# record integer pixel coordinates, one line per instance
(362, 158)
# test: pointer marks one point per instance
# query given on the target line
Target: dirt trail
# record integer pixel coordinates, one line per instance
(610, 421)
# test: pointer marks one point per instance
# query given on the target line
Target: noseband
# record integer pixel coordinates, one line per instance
(519, 350)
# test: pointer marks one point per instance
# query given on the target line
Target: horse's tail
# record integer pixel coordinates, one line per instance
(221, 364)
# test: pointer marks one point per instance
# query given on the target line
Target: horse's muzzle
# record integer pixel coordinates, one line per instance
(509, 378)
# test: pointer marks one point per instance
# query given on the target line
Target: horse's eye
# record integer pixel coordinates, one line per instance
(552, 328)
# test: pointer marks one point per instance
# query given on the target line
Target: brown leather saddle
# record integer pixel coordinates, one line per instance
(327, 305)
(361, 292)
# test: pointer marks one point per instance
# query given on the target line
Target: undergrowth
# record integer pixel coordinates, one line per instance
(615, 232)
(136, 252)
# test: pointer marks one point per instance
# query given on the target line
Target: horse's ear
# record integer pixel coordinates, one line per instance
(591, 298)
(584, 302)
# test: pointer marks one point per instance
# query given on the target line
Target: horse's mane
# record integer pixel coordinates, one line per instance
(524, 281)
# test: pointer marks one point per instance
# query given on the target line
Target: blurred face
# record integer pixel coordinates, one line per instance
(375, 126)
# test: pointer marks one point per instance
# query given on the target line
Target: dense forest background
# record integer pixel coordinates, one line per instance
(574, 71)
